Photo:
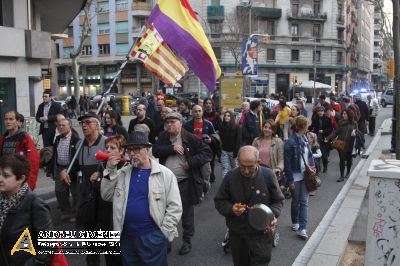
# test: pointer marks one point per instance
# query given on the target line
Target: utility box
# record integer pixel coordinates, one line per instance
(383, 228)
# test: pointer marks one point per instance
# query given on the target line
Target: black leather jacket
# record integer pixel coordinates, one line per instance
(31, 213)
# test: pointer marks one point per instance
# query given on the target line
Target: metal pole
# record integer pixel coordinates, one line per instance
(396, 111)
(104, 98)
(315, 67)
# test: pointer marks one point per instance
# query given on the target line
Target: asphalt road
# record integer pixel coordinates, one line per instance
(210, 226)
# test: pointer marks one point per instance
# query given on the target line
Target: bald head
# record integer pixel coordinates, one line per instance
(248, 161)
(248, 153)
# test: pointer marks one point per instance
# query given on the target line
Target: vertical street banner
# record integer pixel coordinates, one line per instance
(250, 57)
(231, 92)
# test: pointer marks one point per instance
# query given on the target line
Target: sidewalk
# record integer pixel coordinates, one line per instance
(330, 239)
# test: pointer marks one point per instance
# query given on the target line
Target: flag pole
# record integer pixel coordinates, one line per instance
(104, 95)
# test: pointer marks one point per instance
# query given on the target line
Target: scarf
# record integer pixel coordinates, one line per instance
(8, 203)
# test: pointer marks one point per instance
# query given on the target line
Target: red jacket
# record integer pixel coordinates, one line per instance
(24, 145)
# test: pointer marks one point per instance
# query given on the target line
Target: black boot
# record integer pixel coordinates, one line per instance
(186, 248)
(341, 179)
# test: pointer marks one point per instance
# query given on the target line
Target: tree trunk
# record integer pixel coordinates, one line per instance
(75, 73)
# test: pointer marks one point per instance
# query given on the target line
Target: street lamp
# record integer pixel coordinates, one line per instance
(315, 65)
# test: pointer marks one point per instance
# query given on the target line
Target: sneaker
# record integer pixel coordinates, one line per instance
(302, 234)
(295, 227)
(341, 179)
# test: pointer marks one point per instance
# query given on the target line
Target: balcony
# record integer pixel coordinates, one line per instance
(267, 12)
(309, 16)
(340, 20)
(141, 9)
(215, 13)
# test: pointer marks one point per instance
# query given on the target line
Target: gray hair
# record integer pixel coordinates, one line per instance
(142, 128)
(249, 148)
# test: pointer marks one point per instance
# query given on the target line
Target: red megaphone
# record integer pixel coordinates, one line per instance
(102, 156)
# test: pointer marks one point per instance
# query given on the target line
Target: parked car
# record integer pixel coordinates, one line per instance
(387, 97)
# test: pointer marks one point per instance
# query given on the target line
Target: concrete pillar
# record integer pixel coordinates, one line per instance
(383, 238)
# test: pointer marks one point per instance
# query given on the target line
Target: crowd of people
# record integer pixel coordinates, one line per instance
(164, 163)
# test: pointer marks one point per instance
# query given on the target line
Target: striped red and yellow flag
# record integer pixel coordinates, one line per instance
(158, 58)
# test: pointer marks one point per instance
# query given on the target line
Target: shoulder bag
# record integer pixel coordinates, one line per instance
(339, 144)
(311, 179)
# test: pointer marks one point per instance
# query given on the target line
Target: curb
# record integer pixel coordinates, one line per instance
(308, 252)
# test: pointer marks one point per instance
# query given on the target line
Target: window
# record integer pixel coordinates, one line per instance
(104, 28)
(70, 31)
(216, 30)
(122, 26)
(340, 36)
(295, 8)
(317, 6)
(295, 55)
(6, 13)
(67, 51)
(295, 32)
(339, 58)
(104, 49)
(57, 50)
(121, 5)
(86, 50)
(102, 7)
(317, 56)
(270, 54)
(122, 48)
(217, 52)
(317, 32)
(271, 29)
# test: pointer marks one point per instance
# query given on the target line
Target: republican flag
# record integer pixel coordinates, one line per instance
(180, 28)
(158, 58)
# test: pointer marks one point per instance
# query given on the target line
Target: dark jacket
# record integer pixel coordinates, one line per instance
(293, 158)
(55, 109)
(72, 150)
(364, 111)
(149, 123)
(34, 214)
(25, 145)
(230, 138)
(118, 130)
(197, 153)
(250, 128)
(326, 126)
(343, 132)
(232, 190)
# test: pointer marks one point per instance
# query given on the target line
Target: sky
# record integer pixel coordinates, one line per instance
(388, 9)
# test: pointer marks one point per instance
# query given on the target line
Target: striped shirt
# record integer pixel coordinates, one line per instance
(63, 150)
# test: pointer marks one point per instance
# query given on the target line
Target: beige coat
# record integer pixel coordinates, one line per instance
(276, 152)
(164, 198)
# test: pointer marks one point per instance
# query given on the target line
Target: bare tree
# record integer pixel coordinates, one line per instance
(85, 31)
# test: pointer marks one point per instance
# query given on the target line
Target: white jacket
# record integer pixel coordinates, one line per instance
(164, 198)
(374, 106)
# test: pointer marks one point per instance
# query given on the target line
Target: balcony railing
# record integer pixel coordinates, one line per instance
(267, 12)
(322, 17)
(141, 8)
(215, 13)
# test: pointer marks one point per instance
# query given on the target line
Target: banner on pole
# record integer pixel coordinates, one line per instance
(250, 57)
(158, 58)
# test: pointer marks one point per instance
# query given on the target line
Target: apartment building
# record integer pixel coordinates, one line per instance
(114, 25)
(25, 31)
(379, 75)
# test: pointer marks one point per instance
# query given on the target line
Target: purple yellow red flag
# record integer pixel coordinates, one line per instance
(158, 58)
(180, 28)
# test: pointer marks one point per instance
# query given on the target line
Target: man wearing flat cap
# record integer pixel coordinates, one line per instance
(183, 153)
(146, 203)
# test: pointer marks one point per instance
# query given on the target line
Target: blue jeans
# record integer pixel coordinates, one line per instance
(150, 249)
(227, 162)
(299, 205)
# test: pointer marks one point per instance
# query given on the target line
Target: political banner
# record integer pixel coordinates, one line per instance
(250, 57)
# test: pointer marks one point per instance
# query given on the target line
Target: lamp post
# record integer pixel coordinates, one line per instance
(315, 66)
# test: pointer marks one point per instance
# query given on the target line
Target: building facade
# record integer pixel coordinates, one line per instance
(379, 75)
(114, 26)
(25, 49)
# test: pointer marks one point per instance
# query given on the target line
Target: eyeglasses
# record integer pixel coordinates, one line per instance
(134, 149)
(87, 122)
